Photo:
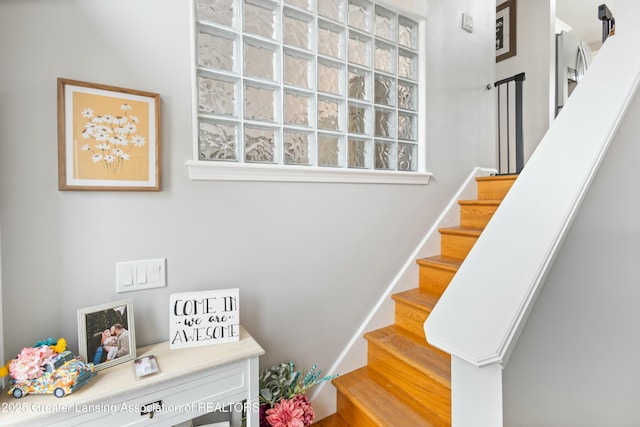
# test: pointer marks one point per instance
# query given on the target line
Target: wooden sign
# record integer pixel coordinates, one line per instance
(204, 318)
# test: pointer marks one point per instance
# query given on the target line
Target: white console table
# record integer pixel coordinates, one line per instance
(191, 382)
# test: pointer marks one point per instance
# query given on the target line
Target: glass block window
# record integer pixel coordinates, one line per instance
(326, 84)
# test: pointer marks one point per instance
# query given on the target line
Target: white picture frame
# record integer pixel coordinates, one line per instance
(96, 345)
(145, 365)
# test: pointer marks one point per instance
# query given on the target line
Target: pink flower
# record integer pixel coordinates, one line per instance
(28, 364)
(302, 402)
(285, 413)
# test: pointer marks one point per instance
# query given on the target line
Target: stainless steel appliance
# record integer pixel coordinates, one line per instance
(573, 57)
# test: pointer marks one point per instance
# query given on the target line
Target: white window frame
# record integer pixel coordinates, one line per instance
(241, 171)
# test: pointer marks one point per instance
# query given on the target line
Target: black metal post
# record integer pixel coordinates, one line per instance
(499, 136)
(508, 131)
(517, 110)
(519, 134)
(608, 22)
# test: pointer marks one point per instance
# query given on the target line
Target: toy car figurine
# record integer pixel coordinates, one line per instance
(63, 374)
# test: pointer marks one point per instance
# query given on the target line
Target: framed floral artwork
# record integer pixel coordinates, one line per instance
(106, 335)
(108, 137)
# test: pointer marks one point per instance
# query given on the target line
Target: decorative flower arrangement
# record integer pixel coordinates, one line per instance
(47, 368)
(283, 402)
(113, 137)
(29, 363)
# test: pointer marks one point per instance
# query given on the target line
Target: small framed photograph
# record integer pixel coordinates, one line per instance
(505, 30)
(107, 137)
(145, 365)
(106, 335)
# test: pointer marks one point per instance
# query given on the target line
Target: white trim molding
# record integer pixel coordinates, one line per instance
(481, 391)
(209, 171)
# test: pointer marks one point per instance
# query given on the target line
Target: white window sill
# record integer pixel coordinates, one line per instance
(210, 171)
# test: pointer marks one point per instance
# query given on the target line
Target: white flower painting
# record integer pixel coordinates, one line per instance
(112, 138)
(108, 137)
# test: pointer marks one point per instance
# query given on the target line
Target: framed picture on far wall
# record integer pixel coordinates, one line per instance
(106, 334)
(107, 138)
(505, 30)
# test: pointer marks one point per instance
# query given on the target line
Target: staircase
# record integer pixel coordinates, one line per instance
(407, 382)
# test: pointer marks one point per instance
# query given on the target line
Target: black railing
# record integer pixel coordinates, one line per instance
(608, 22)
(510, 149)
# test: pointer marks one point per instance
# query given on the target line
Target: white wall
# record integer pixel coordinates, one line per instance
(575, 362)
(627, 15)
(459, 67)
(535, 56)
(310, 259)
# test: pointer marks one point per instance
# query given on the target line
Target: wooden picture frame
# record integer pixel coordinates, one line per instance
(101, 323)
(108, 138)
(506, 30)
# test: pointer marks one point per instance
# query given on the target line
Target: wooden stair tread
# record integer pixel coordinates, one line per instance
(383, 402)
(461, 231)
(413, 307)
(475, 202)
(435, 272)
(414, 351)
(331, 421)
(417, 298)
(477, 213)
(494, 187)
(407, 382)
(446, 263)
(457, 242)
(511, 177)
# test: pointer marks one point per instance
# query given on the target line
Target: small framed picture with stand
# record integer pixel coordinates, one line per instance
(106, 335)
(146, 365)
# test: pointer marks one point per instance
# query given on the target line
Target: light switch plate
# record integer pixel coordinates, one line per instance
(467, 22)
(138, 275)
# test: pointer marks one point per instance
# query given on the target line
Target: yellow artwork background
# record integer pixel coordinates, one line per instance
(134, 169)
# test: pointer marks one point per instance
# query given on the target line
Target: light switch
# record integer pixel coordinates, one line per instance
(154, 274)
(127, 278)
(139, 275)
(467, 22)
